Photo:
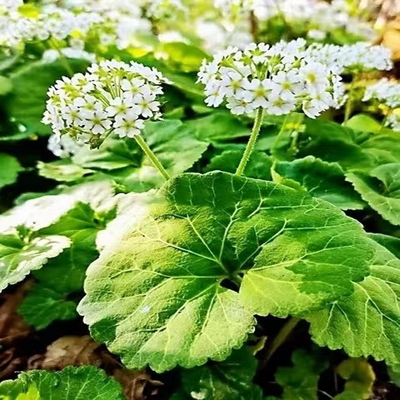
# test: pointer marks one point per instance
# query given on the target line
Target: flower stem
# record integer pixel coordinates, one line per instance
(149, 153)
(349, 103)
(279, 339)
(63, 59)
(252, 142)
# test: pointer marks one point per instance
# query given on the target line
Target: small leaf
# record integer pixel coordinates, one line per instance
(51, 298)
(230, 379)
(71, 383)
(364, 123)
(63, 171)
(10, 168)
(40, 212)
(372, 311)
(360, 378)
(323, 180)
(301, 380)
(155, 296)
(381, 190)
(18, 259)
(44, 305)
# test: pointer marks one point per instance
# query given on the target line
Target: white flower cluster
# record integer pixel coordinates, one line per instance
(112, 97)
(18, 26)
(111, 22)
(159, 9)
(317, 17)
(354, 58)
(279, 78)
(388, 93)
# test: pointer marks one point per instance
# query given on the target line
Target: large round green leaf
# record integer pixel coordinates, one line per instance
(158, 296)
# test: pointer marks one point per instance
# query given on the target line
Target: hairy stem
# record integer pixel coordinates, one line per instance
(149, 153)
(252, 141)
(279, 339)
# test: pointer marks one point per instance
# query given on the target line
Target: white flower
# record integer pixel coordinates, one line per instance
(280, 79)
(128, 125)
(112, 97)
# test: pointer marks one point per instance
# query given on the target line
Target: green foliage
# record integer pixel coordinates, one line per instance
(27, 102)
(321, 179)
(71, 383)
(381, 190)
(187, 274)
(360, 378)
(230, 379)
(371, 312)
(301, 380)
(10, 168)
(22, 255)
(177, 256)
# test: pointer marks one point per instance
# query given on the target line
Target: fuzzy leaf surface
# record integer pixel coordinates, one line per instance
(381, 190)
(366, 323)
(71, 383)
(18, 259)
(323, 180)
(156, 296)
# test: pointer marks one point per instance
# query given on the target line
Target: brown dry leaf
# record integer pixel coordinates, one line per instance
(12, 326)
(137, 385)
(68, 350)
(10, 362)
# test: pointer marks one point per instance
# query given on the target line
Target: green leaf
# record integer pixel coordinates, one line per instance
(155, 297)
(171, 138)
(300, 381)
(392, 243)
(183, 56)
(259, 165)
(354, 151)
(18, 258)
(52, 295)
(323, 180)
(381, 190)
(62, 170)
(5, 85)
(10, 168)
(366, 323)
(44, 305)
(364, 123)
(30, 86)
(360, 378)
(41, 212)
(71, 383)
(124, 161)
(218, 126)
(230, 379)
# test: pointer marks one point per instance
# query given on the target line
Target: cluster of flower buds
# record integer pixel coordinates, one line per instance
(112, 97)
(280, 79)
(387, 93)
